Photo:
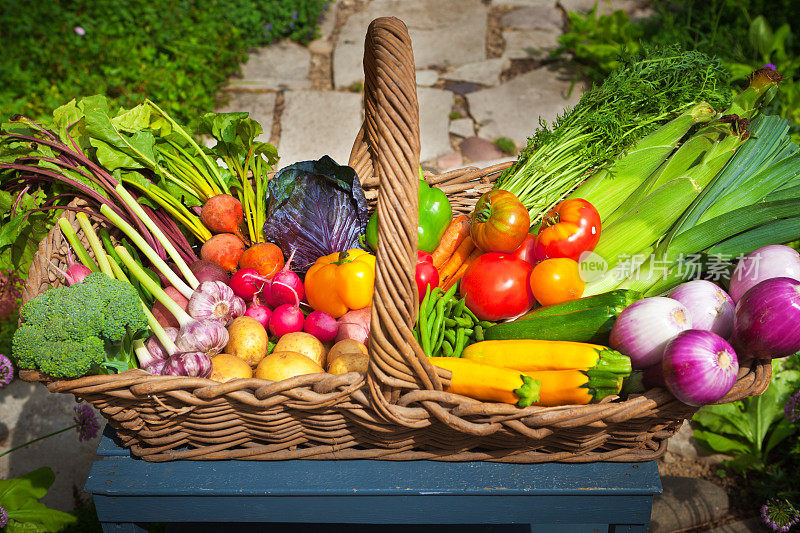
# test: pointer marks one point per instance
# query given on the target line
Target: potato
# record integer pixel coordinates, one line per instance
(278, 366)
(349, 362)
(248, 340)
(303, 343)
(225, 367)
(344, 347)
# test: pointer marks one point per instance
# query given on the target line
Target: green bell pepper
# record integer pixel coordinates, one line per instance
(435, 215)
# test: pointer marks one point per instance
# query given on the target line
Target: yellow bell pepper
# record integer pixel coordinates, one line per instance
(342, 281)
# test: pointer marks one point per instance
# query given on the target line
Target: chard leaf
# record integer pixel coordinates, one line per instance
(115, 147)
(315, 208)
(68, 124)
(133, 120)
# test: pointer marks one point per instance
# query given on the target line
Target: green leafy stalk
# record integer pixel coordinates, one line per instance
(633, 102)
(77, 246)
(94, 242)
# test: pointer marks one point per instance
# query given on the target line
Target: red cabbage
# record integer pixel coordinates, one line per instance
(315, 208)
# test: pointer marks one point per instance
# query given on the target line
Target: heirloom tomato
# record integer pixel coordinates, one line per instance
(495, 286)
(499, 222)
(556, 280)
(569, 229)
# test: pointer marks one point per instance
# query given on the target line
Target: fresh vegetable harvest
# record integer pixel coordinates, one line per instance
(499, 222)
(489, 383)
(435, 215)
(339, 282)
(496, 286)
(445, 325)
(568, 230)
(533, 355)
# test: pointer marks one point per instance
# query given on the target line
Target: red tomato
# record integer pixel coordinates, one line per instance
(526, 250)
(496, 286)
(569, 229)
(426, 274)
(499, 222)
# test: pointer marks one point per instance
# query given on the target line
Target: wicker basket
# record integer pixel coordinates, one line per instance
(398, 410)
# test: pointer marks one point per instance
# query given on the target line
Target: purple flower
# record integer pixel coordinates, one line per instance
(780, 515)
(268, 27)
(87, 424)
(294, 15)
(770, 66)
(79, 30)
(291, 26)
(792, 407)
(6, 371)
(3, 517)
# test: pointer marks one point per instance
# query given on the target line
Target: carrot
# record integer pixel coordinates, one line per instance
(458, 257)
(462, 269)
(453, 236)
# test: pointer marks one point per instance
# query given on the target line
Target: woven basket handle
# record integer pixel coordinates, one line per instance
(387, 150)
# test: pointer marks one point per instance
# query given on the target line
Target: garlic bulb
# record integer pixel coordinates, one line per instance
(214, 299)
(154, 346)
(190, 364)
(155, 367)
(208, 336)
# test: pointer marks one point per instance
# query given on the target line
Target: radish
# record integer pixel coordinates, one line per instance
(75, 272)
(246, 283)
(286, 319)
(286, 287)
(322, 325)
(259, 312)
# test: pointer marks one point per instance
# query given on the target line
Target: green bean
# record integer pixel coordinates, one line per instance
(486, 324)
(460, 339)
(447, 349)
(450, 335)
(463, 321)
(425, 334)
(468, 332)
(450, 292)
(438, 326)
(450, 322)
(471, 314)
(458, 308)
(478, 333)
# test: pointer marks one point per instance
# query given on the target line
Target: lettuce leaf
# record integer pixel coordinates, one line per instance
(315, 208)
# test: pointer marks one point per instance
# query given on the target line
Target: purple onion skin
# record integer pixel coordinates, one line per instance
(773, 261)
(710, 307)
(190, 364)
(767, 320)
(644, 328)
(699, 367)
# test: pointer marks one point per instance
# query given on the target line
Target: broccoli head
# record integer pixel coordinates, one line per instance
(69, 332)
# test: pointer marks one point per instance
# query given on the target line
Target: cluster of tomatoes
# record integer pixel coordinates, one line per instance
(520, 268)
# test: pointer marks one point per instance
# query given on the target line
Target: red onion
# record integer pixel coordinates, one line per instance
(645, 327)
(709, 306)
(773, 261)
(191, 364)
(699, 367)
(767, 320)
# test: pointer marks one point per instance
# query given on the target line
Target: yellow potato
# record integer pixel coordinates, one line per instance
(344, 347)
(349, 362)
(303, 343)
(248, 340)
(278, 366)
(225, 367)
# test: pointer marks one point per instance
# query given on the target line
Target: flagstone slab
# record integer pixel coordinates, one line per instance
(485, 72)
(284, 65)
(434, 122)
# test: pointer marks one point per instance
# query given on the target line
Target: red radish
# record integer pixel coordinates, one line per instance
(75, 272)
(223, 214)
(246, 283)
(163, 315)
(322, 325)
(205, 270)
(259, 312)
(224, 249)
(286, 319)
(286, 287)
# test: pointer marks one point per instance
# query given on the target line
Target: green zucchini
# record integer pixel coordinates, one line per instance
(620, 298)
(586, 325)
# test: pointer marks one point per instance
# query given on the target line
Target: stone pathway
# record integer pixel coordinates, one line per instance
(462, 50)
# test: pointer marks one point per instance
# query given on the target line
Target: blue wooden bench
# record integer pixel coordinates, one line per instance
(217, 495)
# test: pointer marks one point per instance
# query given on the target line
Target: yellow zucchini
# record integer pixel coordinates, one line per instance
(533, 355)
(490, 383)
